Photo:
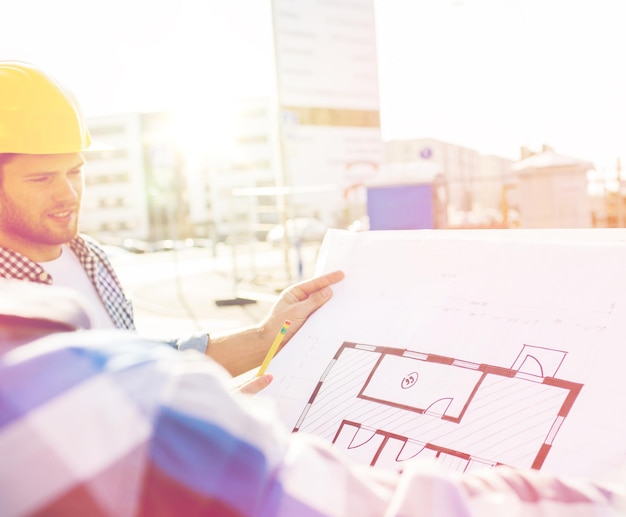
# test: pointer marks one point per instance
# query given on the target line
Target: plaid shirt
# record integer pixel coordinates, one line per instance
(102, 275)
(95, 263)
(106, 423)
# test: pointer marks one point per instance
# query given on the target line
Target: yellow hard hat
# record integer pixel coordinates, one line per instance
(38, 115)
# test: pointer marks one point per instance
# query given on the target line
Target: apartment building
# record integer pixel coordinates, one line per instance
(144, 186)
(115, 203)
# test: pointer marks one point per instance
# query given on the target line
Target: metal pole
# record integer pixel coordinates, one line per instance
(281, 175)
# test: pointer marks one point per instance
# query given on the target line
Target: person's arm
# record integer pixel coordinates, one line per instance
(503, 491)
(241, 351)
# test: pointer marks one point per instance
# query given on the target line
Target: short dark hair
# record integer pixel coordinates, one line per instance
(4, 159)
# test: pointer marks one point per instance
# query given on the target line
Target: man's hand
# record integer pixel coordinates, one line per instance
(256, 384)
(243, 350)
(297, 303)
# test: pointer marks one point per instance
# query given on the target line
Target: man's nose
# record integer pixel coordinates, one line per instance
(65, 189)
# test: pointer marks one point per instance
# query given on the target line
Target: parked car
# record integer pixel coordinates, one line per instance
(136, 245)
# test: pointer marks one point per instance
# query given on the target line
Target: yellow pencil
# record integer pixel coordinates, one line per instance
(272, 351)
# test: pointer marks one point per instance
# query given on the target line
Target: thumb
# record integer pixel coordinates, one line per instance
(256, 384)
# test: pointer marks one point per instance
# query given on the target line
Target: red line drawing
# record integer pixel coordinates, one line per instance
(385, 405)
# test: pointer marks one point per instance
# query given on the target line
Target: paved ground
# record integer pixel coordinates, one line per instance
(180, 292)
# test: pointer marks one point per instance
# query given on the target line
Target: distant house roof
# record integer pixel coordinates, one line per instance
(548, 159)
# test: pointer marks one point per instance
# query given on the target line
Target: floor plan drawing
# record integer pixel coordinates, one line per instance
(384, 405)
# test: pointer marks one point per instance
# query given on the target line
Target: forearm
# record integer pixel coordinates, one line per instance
(316, 481)
(237, 352)
(501, 491)
(240, 351)
(323, 485)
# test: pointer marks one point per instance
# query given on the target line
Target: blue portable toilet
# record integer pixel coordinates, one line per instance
(406, 199)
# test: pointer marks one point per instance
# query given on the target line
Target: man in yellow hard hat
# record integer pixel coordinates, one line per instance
(42, 138)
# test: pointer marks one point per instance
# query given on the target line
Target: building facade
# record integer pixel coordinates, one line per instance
(115, 203)
(139, 187)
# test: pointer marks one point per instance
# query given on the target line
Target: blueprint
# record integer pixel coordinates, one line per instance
(470, 349)
(385, 406)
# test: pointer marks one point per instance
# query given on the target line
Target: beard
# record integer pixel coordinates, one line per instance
(34, 226)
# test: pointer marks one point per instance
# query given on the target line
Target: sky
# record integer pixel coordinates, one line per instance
(493, 75)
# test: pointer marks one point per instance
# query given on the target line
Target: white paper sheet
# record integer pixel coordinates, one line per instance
(473, 348)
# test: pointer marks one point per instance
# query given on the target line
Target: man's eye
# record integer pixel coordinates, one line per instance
(38, 179)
